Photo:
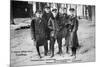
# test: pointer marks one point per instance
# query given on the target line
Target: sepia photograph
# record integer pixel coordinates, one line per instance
(43, 33)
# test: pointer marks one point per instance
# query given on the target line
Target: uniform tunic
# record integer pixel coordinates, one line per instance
(53, 25)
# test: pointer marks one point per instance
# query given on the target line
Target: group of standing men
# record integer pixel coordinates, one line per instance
(52, 25)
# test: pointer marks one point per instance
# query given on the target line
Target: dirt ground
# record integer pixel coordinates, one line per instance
(23, 51)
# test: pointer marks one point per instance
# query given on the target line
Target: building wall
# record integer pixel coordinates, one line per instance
(27, 9)
(34, 7)
(93, 13)
(79, 10)
(20, 9)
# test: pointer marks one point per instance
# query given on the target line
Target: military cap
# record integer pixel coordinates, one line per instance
(38, 11)
(65, 8)
(72, 9)
(47, 7)
(54, 9)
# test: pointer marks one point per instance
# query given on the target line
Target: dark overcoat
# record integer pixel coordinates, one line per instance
(46, 17)
(38, 29)
(73, 38)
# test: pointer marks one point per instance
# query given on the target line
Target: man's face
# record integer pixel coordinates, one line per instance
(65, 11)
(39, 15)
(72, 13)
(47, 10)
(54, 13)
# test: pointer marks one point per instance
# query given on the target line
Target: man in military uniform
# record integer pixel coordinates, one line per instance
(73, 27)
(38, 31)
(46, 15)
(64, 17)
(54, 28)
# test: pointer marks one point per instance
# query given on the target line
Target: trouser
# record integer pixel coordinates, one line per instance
(52, 42)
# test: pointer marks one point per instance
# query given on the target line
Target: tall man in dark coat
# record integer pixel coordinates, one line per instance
(46, 15)
(54, 28)
(63, 33)
(73, 38)
(38, 31)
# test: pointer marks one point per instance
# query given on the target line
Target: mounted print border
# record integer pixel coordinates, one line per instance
(51, 33)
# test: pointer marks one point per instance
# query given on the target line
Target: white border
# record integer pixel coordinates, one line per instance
(86, 2)
(5, 33)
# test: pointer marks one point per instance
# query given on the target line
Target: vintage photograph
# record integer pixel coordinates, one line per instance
(51, 33)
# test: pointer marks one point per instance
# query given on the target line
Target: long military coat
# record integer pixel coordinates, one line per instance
(73, 38)
(38, 29)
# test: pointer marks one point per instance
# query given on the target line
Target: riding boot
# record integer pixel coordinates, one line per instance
(38, 51)
(46, 48)
(67, 50)
(52, 46)
(52, 51)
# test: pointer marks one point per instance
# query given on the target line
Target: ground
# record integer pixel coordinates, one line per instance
(23, 50)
